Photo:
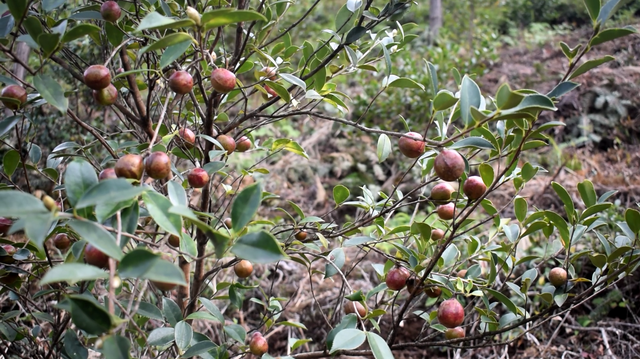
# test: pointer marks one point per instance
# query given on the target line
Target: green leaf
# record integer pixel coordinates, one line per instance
(561, 225)
(72, 346)
(520, 206)
(116, 347)
(486, 172)
(10, 162)
(73, 273)
(89, 316)
(533, 102)
(155, 21)
(358, 32)
(79, 177)
(607, 10)
(173, 52)
(98, 237)
(503, 299)
(356, 241)
(379, 346)
(444, 100)
(158, 207)
(587, 193)
(18, 8)
(112, 191)
(348, 321)
(593, 7)
(611, 34)
(469, 96)
(171, 39)
(474, 142)
(177, 194)
(565, 197)
(433, 77)
(199, 348)
(79, 31)
(245, 206)
(141, 263)
(183, 335)
(214, 166)
(562, 88)
(344, 20)
(294, 80)
(149, 310)
(632, 217)
(217, 18)
(236, 332)
(161, 336)
(591, 64)
(258, 247)
(340, 194)
(33, 26)
(405, 83)
(506, 99)
(52, 92)
(171, 311)
(280, 90)
(348, 339)
(384, 147)
(212, 308)
(49, 44)
(8, 123)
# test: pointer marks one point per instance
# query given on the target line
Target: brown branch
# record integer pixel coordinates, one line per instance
(137, 96)
(92, 131)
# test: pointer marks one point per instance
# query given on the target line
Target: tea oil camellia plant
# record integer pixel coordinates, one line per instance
(187, 81)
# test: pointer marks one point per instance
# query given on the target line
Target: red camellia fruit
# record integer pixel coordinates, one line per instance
(446, 211)
(270, 91)
(15, 92)
(5, 225)
(397, 278)
(442, 192)
(411, 147)
(61, 241)
(462, 273)
(223, 80)
(449, 165)
(258, 344)
(432, 292)
(107, 173)
(243, 269)
(558, 277)
(451, 313)
(301, 235)
(110, 11)
(97, 77)
(474, 187)
(8, 258)
(243, 144)
(269, 73)
(95, 257)
(227, 142)
(454, 333)
(188, 137)
(198, 178)
(181, 82)
(158, 165)
(355, 307)
(107, 96)
(437, 234)
(130, 166)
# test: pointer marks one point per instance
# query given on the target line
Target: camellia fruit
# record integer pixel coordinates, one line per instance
(243, 144)
(163, 286)
(397, 278)
(5, 225)
(270, 93)
(223, 80)
(61, 241)
(158, 165)
(243, 269)
(107, 96)
(15, 92)
(269, 73)
(437, 234)
(301, 235)
(227, 143)
(107, 173)
(558, 276)
(110, 11)
(411, 284)
(258, 344)
(198, 178)
(449, 165)
(95, 257)
(411, 147)
(188, 137)
(97, 77)
(432, 292)
(462, 273)
(130, 166)
(181, 82)
(227, 222)
(175, 240)
(355, 307)
(474, 187)
(442, 192)
(446, 211)
(451, 313)
(8, 258)
(454, 333)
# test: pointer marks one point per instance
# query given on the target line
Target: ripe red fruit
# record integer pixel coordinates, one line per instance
(397, 278)
(198, 178)
(451, 313)
(227, 142)
(442, 192)
(223, 80)
(449, 165)
(227, 222)
(411, 147)
(271, 92)
(130, 166)
(558, 276)
(437, 234)
(258, 344)
(188, 137)
(5, 225)
(97, 77)
(432, 292)
(158, 165)
(269, 72)
(95, 257)
(474, 187)
(243, 144)
(181, 82)
(454, 333)
(15, 92)
(61, 241)
(301, 235)
(446, 211)
(355, 307)
(110, 11)
(243, 269)
(8, 258)
(107, 173)
(107, 96)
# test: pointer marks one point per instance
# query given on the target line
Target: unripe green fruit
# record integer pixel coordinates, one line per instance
(243, 144)
(442, 192)
(227, 143)
(454, 333)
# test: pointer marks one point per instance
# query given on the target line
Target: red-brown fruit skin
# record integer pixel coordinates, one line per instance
(269, 72)
(165, 287)
(258, 344)
(11, 250)
(110, 11)
(558, 276)
(397, 278)
(454, 333)
(301, 235)
(355, 307)
(462, 273)
(474, 187)
(270, 91)
(449, 165)
(107, 96)
(95, 257)
(451, 313)
(227, 142)
(411, 147)
(442, 192)
(14, 92)
(227, 222)
(188, 137)
(107, 173)
(198, 178)
(97, 77)
(446, 211)
(158, 165)
(130, 166)
(432, 292)
(243, 269)
(174, 241)
(61, 241)
(5, 225)
(181, 82)
(437, 234)
(223, 80)
(243, 144)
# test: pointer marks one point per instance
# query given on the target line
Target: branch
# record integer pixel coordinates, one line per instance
(137, 96)
(92, 131)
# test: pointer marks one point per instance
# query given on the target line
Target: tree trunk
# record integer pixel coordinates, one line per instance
(435, 19)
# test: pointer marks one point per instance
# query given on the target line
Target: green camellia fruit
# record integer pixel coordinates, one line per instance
(227, 143)
(442, 192)
(243, 144)
(454, 333)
